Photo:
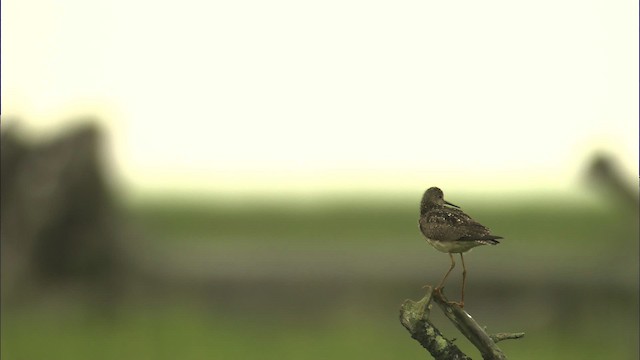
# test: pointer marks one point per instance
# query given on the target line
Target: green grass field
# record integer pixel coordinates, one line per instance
(185, 332)
(583, 241)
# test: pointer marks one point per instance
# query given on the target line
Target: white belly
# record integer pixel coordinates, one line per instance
(452, 246)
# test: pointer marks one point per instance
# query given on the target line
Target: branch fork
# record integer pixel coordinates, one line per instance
(414, 316)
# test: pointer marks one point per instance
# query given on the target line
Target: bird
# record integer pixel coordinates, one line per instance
(448, 229)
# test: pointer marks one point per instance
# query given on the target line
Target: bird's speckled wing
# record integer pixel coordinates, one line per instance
(449, 224)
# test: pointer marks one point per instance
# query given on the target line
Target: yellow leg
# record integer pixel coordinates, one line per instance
(453, 264)
(464, 279)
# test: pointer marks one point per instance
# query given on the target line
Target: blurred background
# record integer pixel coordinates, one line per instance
(216, 180)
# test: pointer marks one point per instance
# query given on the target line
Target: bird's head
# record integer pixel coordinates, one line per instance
(434, 197)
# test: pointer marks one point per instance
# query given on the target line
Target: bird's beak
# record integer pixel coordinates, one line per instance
(450, 204)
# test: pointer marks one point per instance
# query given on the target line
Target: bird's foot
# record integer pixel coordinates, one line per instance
(439, 290)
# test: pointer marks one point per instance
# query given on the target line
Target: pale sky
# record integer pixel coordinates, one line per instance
(314, 95)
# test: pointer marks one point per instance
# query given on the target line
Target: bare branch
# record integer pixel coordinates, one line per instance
(505, 336)
(414, 316)
(470, 328)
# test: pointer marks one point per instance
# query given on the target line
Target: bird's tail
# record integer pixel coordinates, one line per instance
(489, 241)
(485, 240)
